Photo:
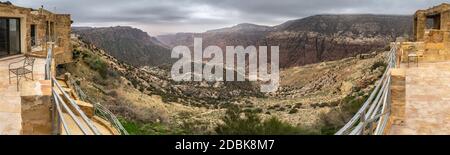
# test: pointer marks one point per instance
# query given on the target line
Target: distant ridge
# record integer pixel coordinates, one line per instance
(127, 44)
(308, 40)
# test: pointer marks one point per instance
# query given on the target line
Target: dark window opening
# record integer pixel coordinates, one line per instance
(434, 22)
(33, 35)
(52, 31)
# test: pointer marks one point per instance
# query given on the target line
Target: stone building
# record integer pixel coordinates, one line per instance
(431, 40)
(432, 24)
(418, 93)
(30, 106)
(31, 31)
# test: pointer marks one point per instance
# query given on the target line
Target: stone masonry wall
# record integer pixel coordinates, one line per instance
(398, 97)
(36, 108)
(42, 18)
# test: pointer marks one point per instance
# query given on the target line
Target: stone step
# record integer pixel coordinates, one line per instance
(37, 54)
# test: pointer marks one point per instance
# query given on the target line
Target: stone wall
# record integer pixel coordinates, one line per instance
(36, 108)
(419, 25)
(44, 21)
(398, 97)
(63, 54)
(434, 42)
(441, 17)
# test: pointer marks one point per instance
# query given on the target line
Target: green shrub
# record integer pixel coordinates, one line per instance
(234, 124)
(99, 65)
(136, 128)
(293, 111)
(336, 118)
(378, 64)
(352, 104)
(329, 130)
(76, 54)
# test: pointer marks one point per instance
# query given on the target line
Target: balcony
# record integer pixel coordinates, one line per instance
(10, 98)
(49, 105)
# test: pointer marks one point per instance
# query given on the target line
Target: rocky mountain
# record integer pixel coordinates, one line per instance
(366, 25)
(332, 37)
(127, 44)
(244, 27)
(308, 40)
(242, 34)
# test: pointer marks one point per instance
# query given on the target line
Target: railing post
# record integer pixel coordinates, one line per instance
(370, 128)
(54, 119)
(362, 119)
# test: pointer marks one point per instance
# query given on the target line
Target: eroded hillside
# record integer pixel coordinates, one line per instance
(104, 79)
(127, 44)
(318, 97)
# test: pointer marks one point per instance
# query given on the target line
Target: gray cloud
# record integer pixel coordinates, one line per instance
(170, 16)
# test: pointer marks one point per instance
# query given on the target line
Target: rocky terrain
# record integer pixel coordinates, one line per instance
(121, 88)
(329, 66)
(315, 96)
(309, 40)
(128, 44)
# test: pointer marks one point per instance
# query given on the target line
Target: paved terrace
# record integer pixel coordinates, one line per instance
(427, 106)
(10, 102)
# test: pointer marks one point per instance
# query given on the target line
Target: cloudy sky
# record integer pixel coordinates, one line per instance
(171, 16)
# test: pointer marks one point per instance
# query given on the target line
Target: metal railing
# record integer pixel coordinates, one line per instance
(61, 101)
(372, 117)
(64, 104)
(48, 64)
(100, 110)
(103, 112)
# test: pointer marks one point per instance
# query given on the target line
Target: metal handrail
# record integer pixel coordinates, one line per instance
(58, 114)
(376, 109)
(59, 101)
(61, 116)
(100, 110)
(103, 112)
(76, 107)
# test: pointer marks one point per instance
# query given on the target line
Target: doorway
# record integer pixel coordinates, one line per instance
(9, 36)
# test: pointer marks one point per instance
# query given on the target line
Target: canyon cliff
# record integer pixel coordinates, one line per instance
(309, 40)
